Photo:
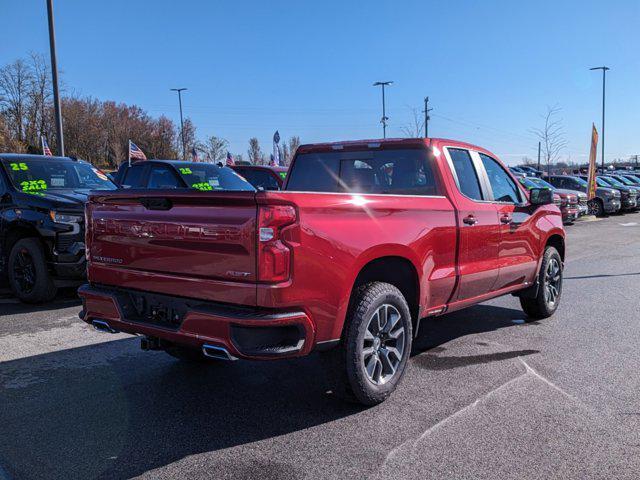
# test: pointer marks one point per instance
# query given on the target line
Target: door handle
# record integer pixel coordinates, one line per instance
(506, 219)
(470, 220)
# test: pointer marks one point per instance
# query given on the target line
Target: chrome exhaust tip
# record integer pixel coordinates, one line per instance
(219, 353)
(103, 326)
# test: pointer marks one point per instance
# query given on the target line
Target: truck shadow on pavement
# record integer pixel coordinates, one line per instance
(437, 331)
(112, 411)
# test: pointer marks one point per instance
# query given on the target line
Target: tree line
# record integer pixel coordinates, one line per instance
(96, 130)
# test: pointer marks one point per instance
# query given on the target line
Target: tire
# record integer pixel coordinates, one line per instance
(369, 373)
(547, 299)
(29, 276)
(597, 207)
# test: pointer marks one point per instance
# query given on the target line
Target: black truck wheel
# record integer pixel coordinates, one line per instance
(547, 299)
(28, 274)
(370, 361)
(596, 207)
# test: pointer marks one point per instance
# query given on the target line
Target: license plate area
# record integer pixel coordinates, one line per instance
(158, 310)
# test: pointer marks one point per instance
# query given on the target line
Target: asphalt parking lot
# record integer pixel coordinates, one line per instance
(485, 396)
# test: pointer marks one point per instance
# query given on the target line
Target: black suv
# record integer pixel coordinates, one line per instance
(42, 222)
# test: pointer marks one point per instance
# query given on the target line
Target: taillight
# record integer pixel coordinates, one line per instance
(274, 257)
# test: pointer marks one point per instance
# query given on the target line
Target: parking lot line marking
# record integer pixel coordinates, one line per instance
(630, 224)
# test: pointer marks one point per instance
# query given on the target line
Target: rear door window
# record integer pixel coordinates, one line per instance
(395, 172)
(466, 174)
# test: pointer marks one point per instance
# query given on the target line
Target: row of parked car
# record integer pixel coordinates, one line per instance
(617, 191)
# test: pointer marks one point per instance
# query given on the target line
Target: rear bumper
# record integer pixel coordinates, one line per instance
(244, 332)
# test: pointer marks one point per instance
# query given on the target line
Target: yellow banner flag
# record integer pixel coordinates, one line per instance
(591, 189)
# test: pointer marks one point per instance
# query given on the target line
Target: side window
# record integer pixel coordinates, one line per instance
(468, 182)
(162, 177)
(504, 188)
(133, 177)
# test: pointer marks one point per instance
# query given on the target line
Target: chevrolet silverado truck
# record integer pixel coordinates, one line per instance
(365, 239)
(42, 222)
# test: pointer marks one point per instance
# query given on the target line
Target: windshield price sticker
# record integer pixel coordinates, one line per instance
(33, 185)
(16, 167)
(185, 171)
(214, 182)
(203, 186)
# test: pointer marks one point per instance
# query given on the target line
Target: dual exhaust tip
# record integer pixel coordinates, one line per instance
(103, 326)
(210, 351)
(219, 353)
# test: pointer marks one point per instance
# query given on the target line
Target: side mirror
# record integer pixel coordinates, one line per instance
(540, 196)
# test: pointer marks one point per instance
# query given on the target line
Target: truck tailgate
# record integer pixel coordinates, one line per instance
(190, 244)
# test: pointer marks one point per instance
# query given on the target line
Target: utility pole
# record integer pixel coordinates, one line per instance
(184, 145)
(54, 79)
(426, 117)
(384, 111)
(538, 157)
(604, 77)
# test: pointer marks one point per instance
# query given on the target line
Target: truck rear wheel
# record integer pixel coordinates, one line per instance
(547, 299)
(29, 276)
(375, 348)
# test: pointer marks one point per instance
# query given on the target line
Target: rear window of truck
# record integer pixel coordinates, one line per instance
(399, 172)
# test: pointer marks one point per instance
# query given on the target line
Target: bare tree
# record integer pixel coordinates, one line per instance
(551, 135)
(294, 143)
(215, 148)
(15, 82)
(415, 127)
(254, 153)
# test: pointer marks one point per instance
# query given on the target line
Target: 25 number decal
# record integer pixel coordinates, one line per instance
(18, 166)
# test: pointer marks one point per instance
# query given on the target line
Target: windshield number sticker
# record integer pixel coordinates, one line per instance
(33, 185)
(203, 186)
(214, 182)
(185, 171)
(16, 167)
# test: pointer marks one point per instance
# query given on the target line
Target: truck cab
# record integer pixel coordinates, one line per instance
(42, 222)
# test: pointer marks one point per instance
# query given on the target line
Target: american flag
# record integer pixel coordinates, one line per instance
(194, 155)
(135, 152)
(230, 160)
(45, 147)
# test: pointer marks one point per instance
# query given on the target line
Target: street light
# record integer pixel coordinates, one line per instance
(54, 79)
(184, 145)
(604, 74)
(384, 114)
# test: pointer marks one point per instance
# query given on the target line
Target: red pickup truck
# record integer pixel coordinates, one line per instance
(365, 239)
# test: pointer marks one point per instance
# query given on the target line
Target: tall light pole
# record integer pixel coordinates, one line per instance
(426, 116)
(54, 79)
(184, 145)
(384, 109)
(604, 77)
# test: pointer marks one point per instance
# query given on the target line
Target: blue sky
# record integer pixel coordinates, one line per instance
(306, 68)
